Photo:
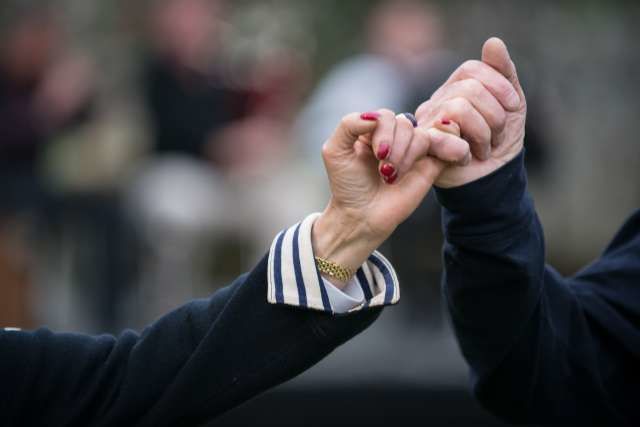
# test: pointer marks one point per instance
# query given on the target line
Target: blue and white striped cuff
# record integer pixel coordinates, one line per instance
(295, 280)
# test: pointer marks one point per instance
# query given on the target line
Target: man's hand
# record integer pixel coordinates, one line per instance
(483, 103)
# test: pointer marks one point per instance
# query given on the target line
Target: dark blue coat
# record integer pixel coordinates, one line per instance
(189, 366)
(543, 348)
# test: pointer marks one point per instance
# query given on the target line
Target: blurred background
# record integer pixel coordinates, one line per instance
(150, 151)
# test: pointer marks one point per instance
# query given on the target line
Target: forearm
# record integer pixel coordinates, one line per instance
(527, 332)
(187, 367)
(493, 284)
(249, 346)
(494, 262)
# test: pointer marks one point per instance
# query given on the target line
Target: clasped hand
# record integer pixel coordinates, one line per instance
(380, 167)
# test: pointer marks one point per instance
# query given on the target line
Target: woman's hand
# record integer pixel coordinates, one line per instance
(373, 194)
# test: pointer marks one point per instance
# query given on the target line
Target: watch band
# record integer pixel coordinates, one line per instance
(334, 270)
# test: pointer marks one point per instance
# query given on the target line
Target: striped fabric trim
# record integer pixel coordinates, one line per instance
(294, 279)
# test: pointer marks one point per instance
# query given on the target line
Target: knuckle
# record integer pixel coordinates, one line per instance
(500, 118)
(345, 121)
(453, 152)
(447, 154)
(346, 127)
(423, 111)
(325, 150)
(472, 87)
(421, 139)
(504, 89)
(458, 106)
(471, 66)
(458, 152)
(440, 92)
(484, 136)
(434, 139)
(404, 122)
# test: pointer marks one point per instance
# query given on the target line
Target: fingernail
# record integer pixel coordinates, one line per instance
(391, 179)
(387, 170)
(372, 116)
(513, 101)
(466, 160)
(383, 151)
(445, 122)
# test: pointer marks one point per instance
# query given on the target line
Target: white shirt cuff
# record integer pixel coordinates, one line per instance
(293, 278)
(343, 300)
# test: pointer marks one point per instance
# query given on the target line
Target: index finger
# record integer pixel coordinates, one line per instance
(351, 127)
(493, 80)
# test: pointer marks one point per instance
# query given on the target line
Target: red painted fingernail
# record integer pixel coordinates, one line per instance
(445, 122)
(391, 179)
(383, 151)
(387, 170)
(372, 116)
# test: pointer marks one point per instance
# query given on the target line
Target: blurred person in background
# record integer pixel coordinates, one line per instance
(44, 89)
(218, 151)
(178, 197)
(187, 98)
(259, 154)
(403, 59)
(249, 146)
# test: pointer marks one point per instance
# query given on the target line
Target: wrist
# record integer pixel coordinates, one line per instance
(488, 204)
(342, 239)
(458, 176)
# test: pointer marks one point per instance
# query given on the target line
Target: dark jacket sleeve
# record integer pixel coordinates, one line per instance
(187, 367)
(542, 348)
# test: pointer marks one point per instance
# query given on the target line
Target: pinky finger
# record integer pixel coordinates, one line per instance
(448, 126)
(448, 147)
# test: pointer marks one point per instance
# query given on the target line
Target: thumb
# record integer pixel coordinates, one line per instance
(496, 54)
(351, 127)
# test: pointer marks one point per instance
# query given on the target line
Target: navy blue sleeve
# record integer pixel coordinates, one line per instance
(542, 348)
(184, 369)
